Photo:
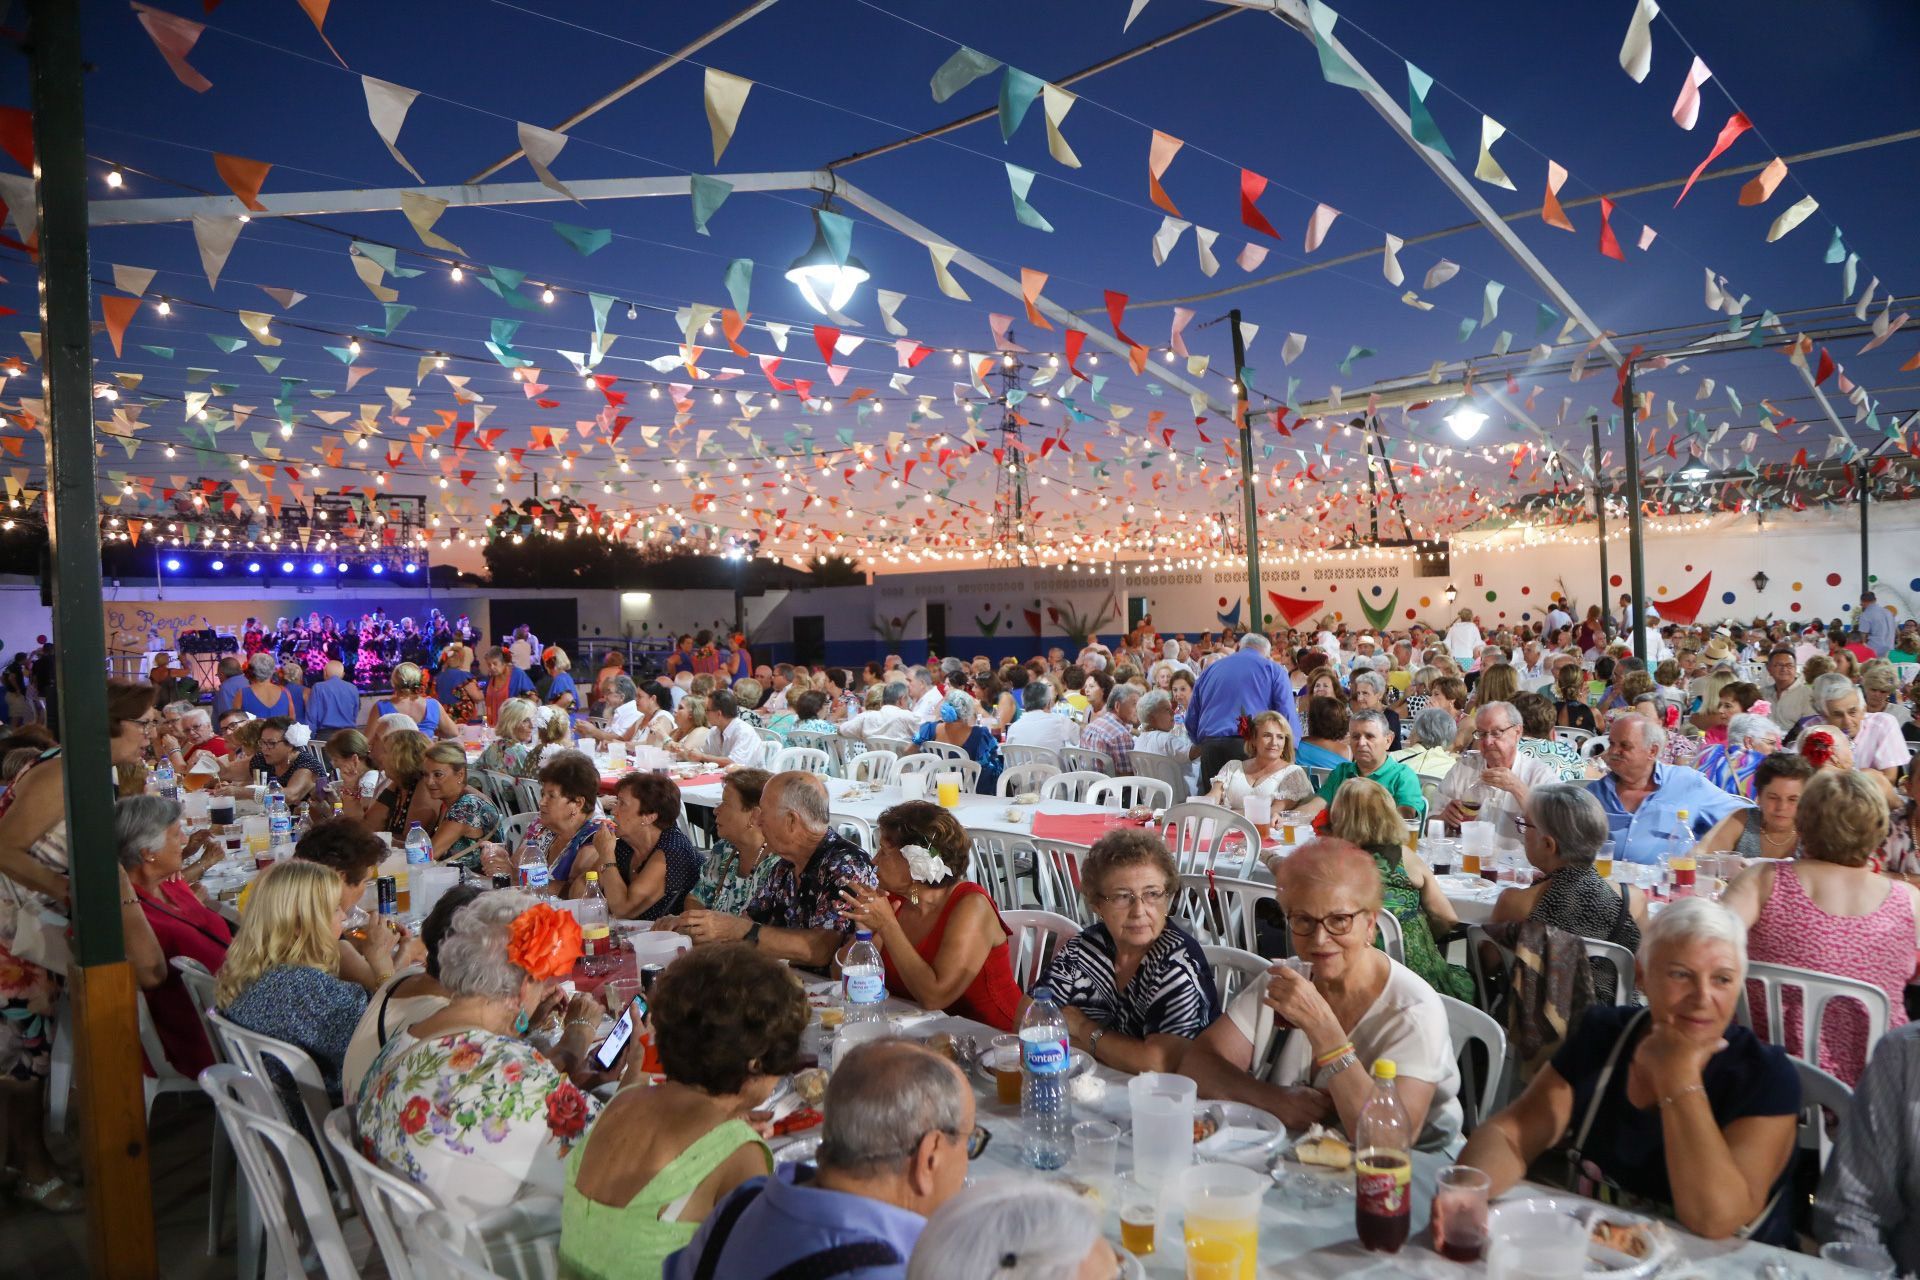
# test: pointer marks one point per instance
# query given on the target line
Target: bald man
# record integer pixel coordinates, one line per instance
(800, 916)
(1302, 1045)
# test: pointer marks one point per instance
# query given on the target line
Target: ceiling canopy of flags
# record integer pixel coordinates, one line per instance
(896, 282)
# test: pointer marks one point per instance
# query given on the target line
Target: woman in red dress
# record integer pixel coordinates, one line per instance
(941, 936)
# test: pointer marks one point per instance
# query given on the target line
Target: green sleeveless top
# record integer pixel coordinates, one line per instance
(601, 1242)
(1424, 956)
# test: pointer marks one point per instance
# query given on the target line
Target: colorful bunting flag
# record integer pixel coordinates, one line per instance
(962, 69)
(387, 106)
(1487, 169)
(725, 96)
(1419, 118)
(174, 38)
(1736, 124)
(1159, 155)
(1550, 211)
(1251, 185)
(1021, 181)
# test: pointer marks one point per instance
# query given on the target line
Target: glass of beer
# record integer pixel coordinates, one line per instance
(1469, 861)
(1139, 1206)
(195, 781)
(1004, 1061)
(1603, 861)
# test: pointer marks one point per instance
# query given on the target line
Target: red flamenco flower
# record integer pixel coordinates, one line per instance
(566, 1112)
(544, 941)
(413, 1116)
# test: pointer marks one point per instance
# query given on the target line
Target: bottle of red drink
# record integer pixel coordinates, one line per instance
(1383, 1166)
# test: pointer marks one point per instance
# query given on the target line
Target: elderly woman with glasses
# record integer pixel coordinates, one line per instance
(1136, 987)
(1301, 1043)
(153, 847)
(460, 1103)
(1672, 1107)
(283, 754)
(1877, 740)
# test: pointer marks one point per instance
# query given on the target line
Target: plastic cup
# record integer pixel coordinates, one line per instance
(1096, 1144)
(947, 790)
(1538, 1246)
(619, 993)
(1220, 1212)
(1859, 1255)
(913, 786)
(1460, 1225)
(1139, 1209)
(1162, 1106)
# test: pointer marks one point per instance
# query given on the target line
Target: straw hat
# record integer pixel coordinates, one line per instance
(1717, 650)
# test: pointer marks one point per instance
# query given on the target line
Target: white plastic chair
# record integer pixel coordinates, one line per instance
(1593, 748)
(803, 759)
(1233, 969)
(1567, 735)
(513, 831)
(994, 865)
(252, 1051)
(858, 830)
(877, 767)
(769, 740)
(1057, 868)
(1163, 768)
(283, 1177)
(165, 1079)
(386, 1200)
(1015, 754)
(899, 746)
(1220, 909)
(199, 984)
(935, 747)
(1197, 834)
(1086, 759)
(1613, 955)
(1393, 939)
(813, 738)
(922, 762)
(843, 751)
(1820, 1093)
(1817, 992)
(1128, 791)
(1468, 1026)
(1037, 938)
(1620, 960)
(437, 1250)
(1070, 786)
(1020, 779)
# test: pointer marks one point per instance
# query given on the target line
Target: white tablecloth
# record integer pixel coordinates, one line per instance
(975, 812)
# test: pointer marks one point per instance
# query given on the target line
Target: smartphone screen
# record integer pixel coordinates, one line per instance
(616, 1043)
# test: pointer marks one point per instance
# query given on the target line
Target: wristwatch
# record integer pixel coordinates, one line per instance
(752, 937)
(1093, 1041)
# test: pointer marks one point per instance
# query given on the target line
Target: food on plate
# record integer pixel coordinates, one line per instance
(942, 1043)
(811, 1085)
(797, 1121)
(1628, 1238)
(1324, 1149)
(1086, 1088)
(1205, 1125)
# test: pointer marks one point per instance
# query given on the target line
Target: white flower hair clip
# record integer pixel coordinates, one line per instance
(923, 864)
(298, 736)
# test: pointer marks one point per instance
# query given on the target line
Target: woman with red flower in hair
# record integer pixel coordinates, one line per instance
(460, 1102)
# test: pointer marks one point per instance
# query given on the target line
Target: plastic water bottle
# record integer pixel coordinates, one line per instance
(161, 781)
(1046, 1112)
(419, 846)
(596, 939)
(279, 817)
(863, 979)
(531, 871)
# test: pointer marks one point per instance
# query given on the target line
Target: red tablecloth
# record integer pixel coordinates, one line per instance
(1078, 828)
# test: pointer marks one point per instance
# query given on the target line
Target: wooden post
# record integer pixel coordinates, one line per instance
(113, 1116)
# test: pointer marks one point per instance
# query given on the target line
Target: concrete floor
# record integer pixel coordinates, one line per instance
(180, 1137)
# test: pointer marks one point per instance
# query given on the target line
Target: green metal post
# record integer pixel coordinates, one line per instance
(1255, 614)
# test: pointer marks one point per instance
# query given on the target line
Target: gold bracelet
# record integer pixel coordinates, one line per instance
(1670, 1099)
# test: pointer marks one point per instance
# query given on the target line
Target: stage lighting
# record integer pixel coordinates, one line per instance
(218, 565)
(173, 566)
(286, 566)
(342, 566)
(253, 566)
(413, 568)
(318, 567)
(379, 568)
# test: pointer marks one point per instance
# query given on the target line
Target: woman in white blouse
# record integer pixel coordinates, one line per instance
(1268, 771)
(639, 716)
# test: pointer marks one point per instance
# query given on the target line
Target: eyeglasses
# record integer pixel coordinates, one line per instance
(1337, 925)
(1488, 735)
(273, 742)
(1153, 899)
(975, 1141)
(1522, 825)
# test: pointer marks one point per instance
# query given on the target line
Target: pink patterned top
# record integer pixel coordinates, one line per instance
(1877, 947)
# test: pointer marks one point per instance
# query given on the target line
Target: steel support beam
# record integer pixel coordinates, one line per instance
(1248, 490)
(1636, 519)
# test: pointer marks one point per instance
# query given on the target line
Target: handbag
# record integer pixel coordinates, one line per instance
(39, 935)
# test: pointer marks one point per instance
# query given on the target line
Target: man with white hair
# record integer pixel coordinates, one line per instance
(1877, 741)
(892, 719)
(1170, 653)
(1751, 738)
(1494, 788)
(899, 1132)
(1036, 727)
(925, 693)
(1230, 690)
(1112, 730)
(1532, 667)
(1644, 797)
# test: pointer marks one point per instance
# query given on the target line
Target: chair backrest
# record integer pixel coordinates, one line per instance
(969, 771)
(385, 1199)
(879, 767)
(1317, 775)
(1233, 969)
(769, 739)
(1070, 786)
(922, 762)
(1163, 768)
(252, 1052)
(804, 759)
(1570, 736)
(1220, 909)
(1085, 759)
(1620, 960)
(1593, 748)
(1037, 938)
(1819, 1094)
(199, 985)
(842, 750)
(526, 795)
(514, 830)
(487, 783)
(283, 1176)
(899, 746)
(1201, 838)
(1057, 868)
(1479, 1086)
(438, 1250)
(811, 738)
(1023, 779)
(1817, 991)
(1130, 790)
(1015, 754)
(858, 830)
(935, 747)
(1393, 938)
(994, 866)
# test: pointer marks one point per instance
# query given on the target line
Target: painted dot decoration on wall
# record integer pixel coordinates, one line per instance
(1689, 569)
(1615, 580)
(1526, 591)
(1377, 590)
(1660, 590)
(1914, 585)
(1795, 606)
(1223, 602)
(1492, 596)
(1426, 602)
(1412, 614)
(1726, 597)
(1798, 585)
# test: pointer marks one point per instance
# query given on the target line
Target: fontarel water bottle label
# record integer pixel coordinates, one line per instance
(1044, 1057)
(866, 988)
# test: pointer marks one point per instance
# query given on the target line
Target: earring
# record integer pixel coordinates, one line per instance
(913, 897)
(521, 1023)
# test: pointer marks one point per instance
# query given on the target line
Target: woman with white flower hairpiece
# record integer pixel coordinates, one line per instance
(941, 936)
(284, 755)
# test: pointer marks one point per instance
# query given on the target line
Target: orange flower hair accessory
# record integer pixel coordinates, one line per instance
(544, 941)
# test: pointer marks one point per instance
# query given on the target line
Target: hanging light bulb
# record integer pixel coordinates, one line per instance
(165, 307)
(825, 284)
(458, 275)
(114, 179)
(546, 295)
(1466, 421)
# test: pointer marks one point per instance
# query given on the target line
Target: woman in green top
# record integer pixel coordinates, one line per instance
(1363, 812)
(726, 1021)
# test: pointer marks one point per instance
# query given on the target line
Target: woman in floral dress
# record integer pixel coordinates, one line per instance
(467, 818)
(459, 1102)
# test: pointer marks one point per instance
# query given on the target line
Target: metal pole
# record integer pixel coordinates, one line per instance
(1373, 487)
(1866, 501)
(1636, 541)
(1256, 615)
(106, 1053)
(1600, 512)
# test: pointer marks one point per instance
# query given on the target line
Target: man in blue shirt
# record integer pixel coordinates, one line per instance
(233, 680)
(1876, 624)
(894, 1148)
(1244, 684)
(1643, 797)
(333, 704)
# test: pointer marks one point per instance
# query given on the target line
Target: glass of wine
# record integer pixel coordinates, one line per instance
(1460, 1213)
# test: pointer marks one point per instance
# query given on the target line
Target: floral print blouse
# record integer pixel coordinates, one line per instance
(479, 1118)
(473, 810)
